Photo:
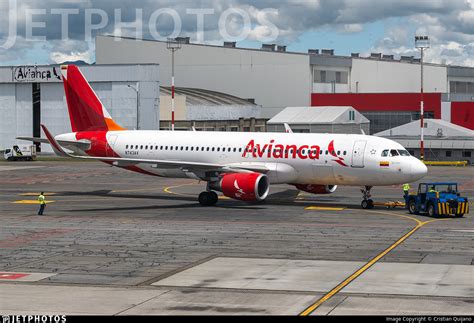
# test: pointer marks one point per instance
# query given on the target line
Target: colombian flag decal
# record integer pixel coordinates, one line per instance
(384, 164)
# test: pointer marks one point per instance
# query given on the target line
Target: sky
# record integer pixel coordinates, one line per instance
(54, 31)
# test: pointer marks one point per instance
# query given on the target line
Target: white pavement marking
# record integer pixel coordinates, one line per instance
(6, 168)
(467, 230)
(322, 276)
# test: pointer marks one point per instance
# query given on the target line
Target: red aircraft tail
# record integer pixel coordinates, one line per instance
(86, 112)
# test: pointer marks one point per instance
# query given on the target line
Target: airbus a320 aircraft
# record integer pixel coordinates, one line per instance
(240, 165)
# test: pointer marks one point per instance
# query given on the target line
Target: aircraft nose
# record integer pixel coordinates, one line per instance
(418, 170)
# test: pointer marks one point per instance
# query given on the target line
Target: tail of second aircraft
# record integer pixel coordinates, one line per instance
(86, 112)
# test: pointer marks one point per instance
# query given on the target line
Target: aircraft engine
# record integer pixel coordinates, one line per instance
(243, 186)
(316, 189)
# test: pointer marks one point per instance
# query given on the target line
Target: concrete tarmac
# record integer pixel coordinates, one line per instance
(116, 242)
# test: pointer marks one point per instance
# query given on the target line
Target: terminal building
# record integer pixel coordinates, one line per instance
(386, 90)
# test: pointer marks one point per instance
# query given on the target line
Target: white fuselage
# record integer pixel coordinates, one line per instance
(292, 158)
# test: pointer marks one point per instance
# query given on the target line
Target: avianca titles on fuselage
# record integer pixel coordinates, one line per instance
(240, 165)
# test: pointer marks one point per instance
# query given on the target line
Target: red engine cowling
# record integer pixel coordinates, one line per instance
(316, 189)
(243, 186)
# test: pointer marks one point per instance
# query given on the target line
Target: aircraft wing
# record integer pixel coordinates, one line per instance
(184, 165)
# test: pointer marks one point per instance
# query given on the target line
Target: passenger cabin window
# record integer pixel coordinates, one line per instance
(385, 153)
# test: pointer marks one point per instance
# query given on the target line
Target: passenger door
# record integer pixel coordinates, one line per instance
(358, 152)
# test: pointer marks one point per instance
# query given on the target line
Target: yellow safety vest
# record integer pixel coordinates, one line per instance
(406, 187)
(41, 199)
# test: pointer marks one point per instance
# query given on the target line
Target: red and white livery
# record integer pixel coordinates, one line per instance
(242, 166)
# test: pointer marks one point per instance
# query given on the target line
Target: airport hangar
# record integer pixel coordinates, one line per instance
(384, 89)
(34, 95)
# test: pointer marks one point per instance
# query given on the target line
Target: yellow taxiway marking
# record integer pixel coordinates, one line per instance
(364, 268)
(36, 194)
(30, 202)
(169, 189)
(324, 208)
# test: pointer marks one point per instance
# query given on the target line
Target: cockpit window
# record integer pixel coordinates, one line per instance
(403, 152)
(393, 152)
(385, 153)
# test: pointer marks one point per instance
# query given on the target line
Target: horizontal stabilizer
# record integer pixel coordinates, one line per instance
(34, 139)
(80, 144)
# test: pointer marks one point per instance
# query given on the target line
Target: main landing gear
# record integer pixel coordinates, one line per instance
(367, 202)
(208, 198)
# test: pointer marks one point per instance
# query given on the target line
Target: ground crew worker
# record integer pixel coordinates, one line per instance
(42, 202)
(432, 190)
(406, 189)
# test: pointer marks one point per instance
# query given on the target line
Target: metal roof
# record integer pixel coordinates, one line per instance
(435, 128)
(317, 115)
(205, 97)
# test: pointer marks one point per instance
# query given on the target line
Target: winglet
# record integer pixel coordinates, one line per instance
(54, 144)
(288, 128)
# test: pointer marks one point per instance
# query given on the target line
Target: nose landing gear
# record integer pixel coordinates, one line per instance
(367, 202)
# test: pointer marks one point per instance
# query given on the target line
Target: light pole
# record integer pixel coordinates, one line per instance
(173, 46)
(422, 43)
(137, 90)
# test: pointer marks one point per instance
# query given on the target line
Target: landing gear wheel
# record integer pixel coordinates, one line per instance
(367, 204)
(371, 203)
(208, 198)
